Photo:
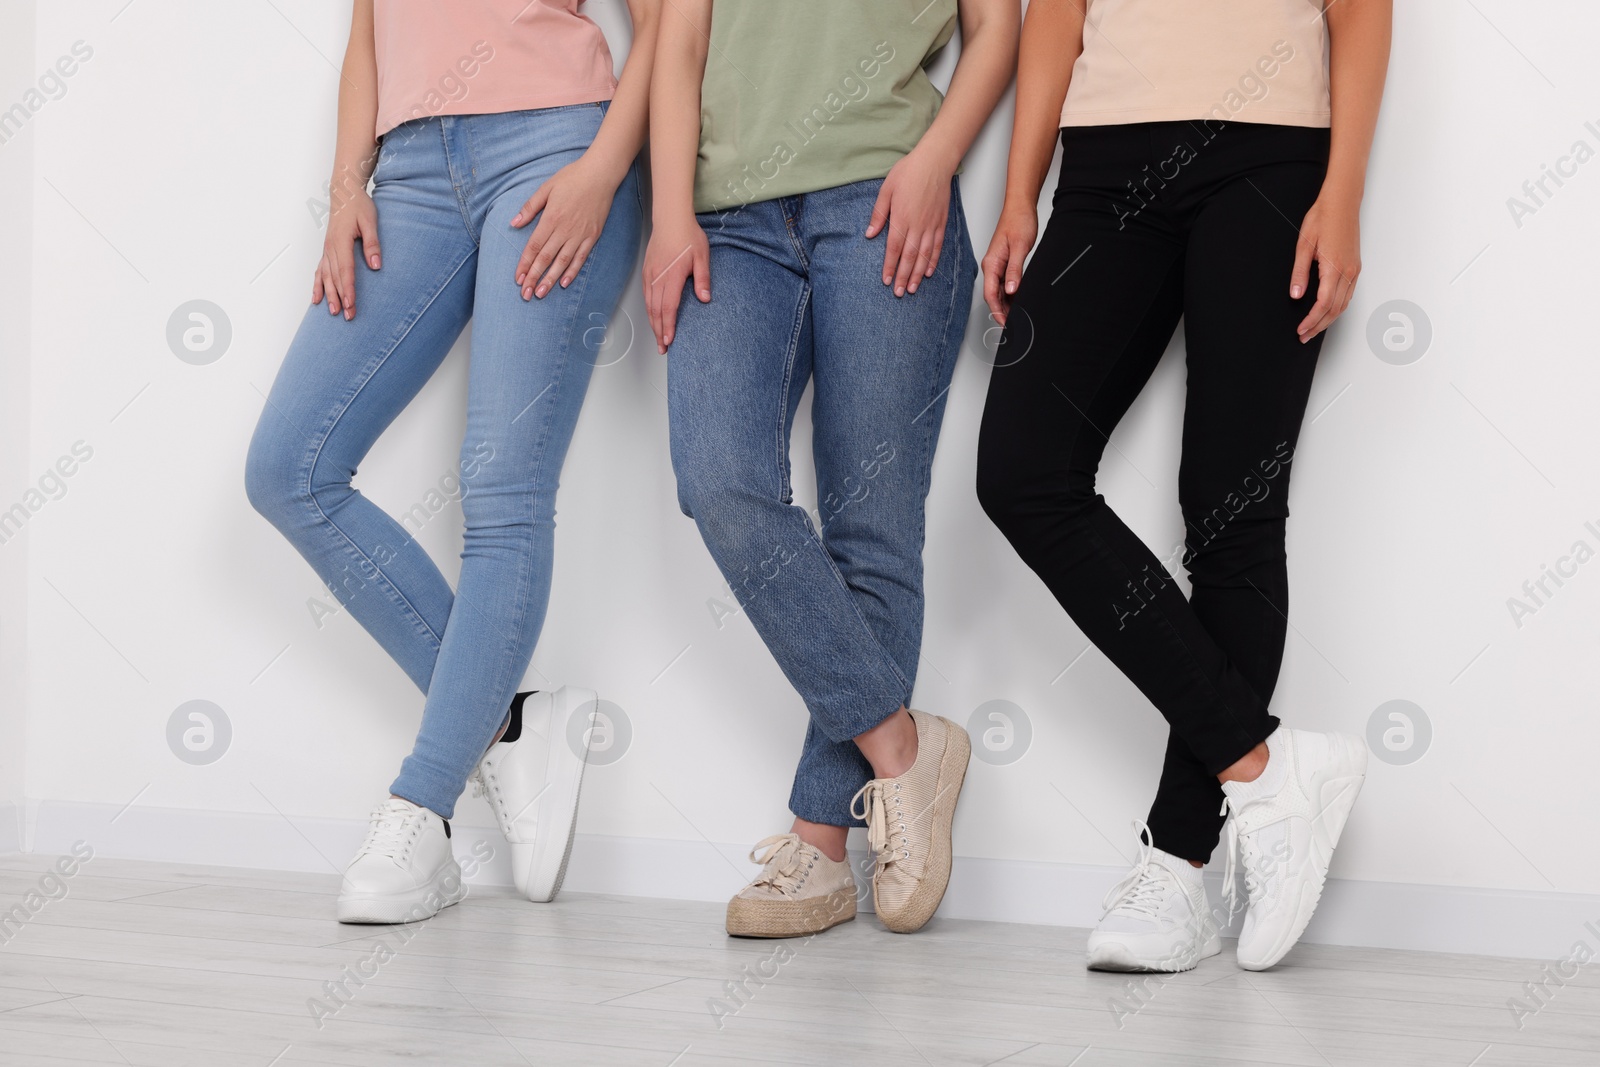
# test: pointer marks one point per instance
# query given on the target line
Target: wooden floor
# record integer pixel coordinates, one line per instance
(161, 964)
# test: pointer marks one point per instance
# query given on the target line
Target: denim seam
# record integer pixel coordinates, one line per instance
(781, 434)
(450, 168)
(947, 359)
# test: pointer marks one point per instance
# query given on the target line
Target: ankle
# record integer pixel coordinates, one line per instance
(890, 746)
(828, 840)
(1249, 766)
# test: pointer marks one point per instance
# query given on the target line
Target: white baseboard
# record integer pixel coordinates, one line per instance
(11, 839)
(1431, 918)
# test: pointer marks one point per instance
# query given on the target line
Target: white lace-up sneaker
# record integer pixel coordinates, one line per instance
(908, 825)
(799, 891)
(1157, 918)
(532, 783)
(1283, 830)
(404, 870)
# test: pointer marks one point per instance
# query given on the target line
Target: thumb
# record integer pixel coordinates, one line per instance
(702, 275)
(530, 211)
(880, 212)
(368, 229)
(1300, 277)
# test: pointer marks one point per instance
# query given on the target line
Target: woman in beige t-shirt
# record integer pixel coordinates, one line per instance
(1213, 159)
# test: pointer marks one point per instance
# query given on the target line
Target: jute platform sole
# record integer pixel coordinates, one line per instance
(790, 918)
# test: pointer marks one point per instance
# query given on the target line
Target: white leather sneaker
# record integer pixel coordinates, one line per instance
(1157, 918)
(532, 783)
(1283, 830)
(404, 870)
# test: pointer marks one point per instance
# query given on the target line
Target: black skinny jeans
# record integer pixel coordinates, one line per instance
(1154, 222)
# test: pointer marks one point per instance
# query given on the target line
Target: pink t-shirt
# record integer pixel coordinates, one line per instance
(478, 57)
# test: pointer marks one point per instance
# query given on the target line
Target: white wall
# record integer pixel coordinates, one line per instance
(179, 165)
(16, 293)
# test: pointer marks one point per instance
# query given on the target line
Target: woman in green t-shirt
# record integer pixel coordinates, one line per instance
(804, 181)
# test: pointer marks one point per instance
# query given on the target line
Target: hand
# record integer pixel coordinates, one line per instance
(572, 207)
(678, 248)
(1013, 239)
(1330, 236)
(914, 203)
(354, 218)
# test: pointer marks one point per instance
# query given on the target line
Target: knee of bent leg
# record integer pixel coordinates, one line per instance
(281, 480)
(1016, 486)
(271, 477)
(726, 506)
(705, 495)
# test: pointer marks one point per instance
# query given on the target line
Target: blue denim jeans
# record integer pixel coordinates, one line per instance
(797, 296)
(446, 189)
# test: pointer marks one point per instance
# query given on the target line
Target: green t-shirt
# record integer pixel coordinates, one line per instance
(801, 95)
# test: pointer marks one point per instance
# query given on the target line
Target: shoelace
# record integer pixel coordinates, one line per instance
(480, 785)
(780, 863)
(1142, 892)
(885, 819)
(394, 823)
(1241, 848)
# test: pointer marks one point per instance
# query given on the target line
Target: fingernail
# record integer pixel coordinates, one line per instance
(1011, 287)
(705, 294)
(1295, 291)
(912, 288)
(376, 262)
(887, 278)
(899, 290)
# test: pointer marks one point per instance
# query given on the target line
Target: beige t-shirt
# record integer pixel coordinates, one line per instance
(1166, 60)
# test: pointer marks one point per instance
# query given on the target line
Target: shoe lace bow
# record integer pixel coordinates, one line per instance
(781, 866)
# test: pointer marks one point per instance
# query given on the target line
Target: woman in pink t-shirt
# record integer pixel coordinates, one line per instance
(501, 151)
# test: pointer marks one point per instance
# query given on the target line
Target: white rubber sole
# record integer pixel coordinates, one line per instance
(1334, 789)
(1116, 956)
(539, 868)
(412, 906)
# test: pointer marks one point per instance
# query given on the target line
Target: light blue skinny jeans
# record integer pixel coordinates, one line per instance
(446, 189)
